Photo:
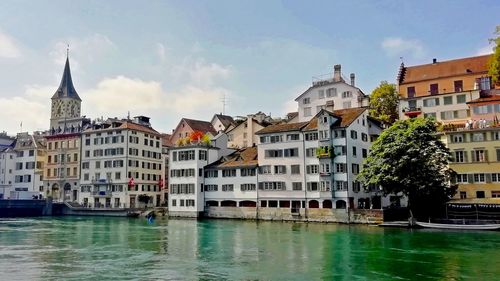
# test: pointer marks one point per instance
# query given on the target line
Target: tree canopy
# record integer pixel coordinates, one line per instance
(409, 158)
(384, 103)
(494, 63)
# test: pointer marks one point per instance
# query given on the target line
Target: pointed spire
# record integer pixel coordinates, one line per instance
(66, 88)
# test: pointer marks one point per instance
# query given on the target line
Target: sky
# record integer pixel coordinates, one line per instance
(174, 59)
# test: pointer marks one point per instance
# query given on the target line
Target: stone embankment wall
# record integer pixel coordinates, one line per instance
(25, 208)
(309, 215)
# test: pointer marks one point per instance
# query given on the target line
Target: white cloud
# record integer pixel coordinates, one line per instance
(8, 47)
(81, 50)
(396, 46)
(484, 50)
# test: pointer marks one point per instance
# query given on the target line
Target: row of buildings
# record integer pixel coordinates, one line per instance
(307, 160)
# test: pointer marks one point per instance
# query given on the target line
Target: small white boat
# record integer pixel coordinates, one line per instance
(459, 226)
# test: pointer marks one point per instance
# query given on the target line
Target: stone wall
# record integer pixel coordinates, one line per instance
(309, 215)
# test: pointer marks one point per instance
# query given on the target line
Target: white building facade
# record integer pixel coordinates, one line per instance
(30, 152)
(332, 94)
(121, 160)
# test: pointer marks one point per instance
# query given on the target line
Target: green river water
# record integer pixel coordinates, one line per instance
(98, 248)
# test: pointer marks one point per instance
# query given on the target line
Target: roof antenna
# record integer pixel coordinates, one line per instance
(67, 52)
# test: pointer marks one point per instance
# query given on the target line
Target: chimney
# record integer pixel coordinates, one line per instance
(434, 61)
(352, 79)
(336, 73)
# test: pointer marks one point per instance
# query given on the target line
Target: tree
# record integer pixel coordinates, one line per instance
(494, 63)
(384, 103)
(409, 158)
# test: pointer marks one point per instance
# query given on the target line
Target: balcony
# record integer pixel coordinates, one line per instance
(325, 152)
(412, 111)
(101, 181)
(101, 193)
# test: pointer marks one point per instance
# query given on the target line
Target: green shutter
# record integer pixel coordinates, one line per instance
(487, 177)
(470, 178)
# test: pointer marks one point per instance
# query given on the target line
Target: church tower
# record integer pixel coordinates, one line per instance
(66, 105)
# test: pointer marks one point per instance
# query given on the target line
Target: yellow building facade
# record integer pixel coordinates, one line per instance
(476, 160)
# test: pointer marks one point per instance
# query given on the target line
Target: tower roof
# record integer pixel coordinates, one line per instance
(66, 88)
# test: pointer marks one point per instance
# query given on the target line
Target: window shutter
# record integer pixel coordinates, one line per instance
(437, 101)
(453, 156)
(487, 177)
(443, 116)
(470, 178)
(473, 156)
(465, 157)
(498, 154)
(486, 155)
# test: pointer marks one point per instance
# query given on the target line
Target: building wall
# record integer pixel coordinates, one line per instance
(7, 167)
(58, 174)
(445, 85)
(456, 112)
(316, 103)
(479, 171)
(244, 135)
(237, 194)
(182, 131)
(110, 185)
(29, 163)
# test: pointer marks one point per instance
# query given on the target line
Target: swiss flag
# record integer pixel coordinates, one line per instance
(131, 182)
(160, 183)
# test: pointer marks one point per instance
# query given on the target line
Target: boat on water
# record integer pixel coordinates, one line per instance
(458, 226)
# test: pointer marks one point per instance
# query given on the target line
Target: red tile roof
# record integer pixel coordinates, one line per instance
(279, 128)
(202, 126)
(246, 157)
(443, 69)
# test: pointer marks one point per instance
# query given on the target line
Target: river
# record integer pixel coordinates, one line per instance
(98, 248)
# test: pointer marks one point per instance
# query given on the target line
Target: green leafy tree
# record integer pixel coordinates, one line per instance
(494, 63)
(409, 158)
(384, 103)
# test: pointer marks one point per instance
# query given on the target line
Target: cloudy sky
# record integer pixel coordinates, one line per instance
(174, 59)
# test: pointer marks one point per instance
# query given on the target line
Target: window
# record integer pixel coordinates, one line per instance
(478, 155)
(340, 186)
(460, 99)
(273, 153)
(364, 137)
(324, 134)
(479, 178)
(459, 85)
(341, 167)
(354, 135)
(311, 169)
(202, 155)
(457, 138)
(292, 137)
(480, 194)
(339, 134)
(186, 155)
(311, 136)
(434, 89)
(306, 101)
(463, 195)
(227, 187)
(248, 187)
(498, 154)
(211, 187)
(296, 185)
(485, 83)
(272, 185)
(431, 102)
(265, 169)
(229, 173)
(312, 186)
(174, 203)
(478, 137)
(324, 186)
(340, 150)
(460, 156)
(364, 152)
(495, 177)
(325, 168)
(354, 152)
(310, 152)
(307, 111)
(332, 92)
(248, 172)
(346, 94)
(295, 169)
(280, 169)
(291, 152)
(495, 193)
(448, 100)
(411, 92)
(495, 135)
(430, 114)
(355, 169)
(356, 186)
(321, 94)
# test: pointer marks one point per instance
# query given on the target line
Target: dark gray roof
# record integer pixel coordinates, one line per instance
(66, 88)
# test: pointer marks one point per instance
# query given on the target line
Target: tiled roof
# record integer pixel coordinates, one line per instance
(165, 140)
(246, 157)
(202, 126)
(225, 120)
(286, 127)
(137, 127)
(348, 115)
(123, 124)
(443, 69)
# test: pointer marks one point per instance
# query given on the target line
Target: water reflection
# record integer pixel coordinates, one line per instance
(131, 249)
